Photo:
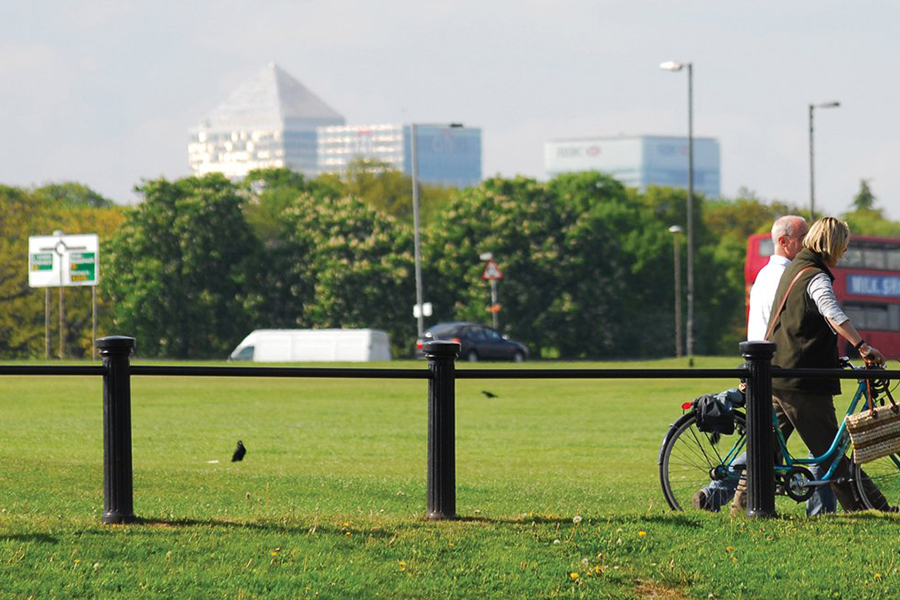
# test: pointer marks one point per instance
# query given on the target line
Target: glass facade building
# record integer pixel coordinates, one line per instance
(270, 121)
(639, 161)
(449, 156)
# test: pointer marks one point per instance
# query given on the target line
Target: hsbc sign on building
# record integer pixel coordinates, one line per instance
(638, 161)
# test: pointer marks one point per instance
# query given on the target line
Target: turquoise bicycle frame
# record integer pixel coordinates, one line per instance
(837, 449)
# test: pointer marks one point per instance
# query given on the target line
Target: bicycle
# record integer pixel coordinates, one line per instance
(690, 459)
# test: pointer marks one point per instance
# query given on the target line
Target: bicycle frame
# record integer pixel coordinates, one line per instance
(837, 449)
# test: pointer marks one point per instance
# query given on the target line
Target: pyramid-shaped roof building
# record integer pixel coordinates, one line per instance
(270, 121)
(272, 99)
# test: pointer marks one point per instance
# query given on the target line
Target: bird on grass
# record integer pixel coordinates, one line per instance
(488, 394)
(239, 452)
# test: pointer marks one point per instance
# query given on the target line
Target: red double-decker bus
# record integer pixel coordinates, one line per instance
(866, 283)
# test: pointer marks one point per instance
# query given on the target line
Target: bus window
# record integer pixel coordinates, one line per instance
(873, 258)
(853, 257)
(893, 260)
(857, 315)
(877, 317)
(766, 247)
(894, 317)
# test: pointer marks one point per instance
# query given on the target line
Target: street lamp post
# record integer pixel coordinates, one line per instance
(417, 243)
(677, 66)
(812, 173)
(675, 230)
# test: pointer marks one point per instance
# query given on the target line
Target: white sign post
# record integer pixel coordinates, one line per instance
(426, 310)
(62, 261)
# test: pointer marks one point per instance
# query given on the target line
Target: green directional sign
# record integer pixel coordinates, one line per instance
(42, 261)
(82, 267)
(63, 260)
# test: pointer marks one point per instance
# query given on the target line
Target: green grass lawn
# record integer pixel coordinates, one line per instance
(556, 480)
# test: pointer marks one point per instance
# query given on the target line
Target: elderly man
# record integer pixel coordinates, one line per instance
(787, 236)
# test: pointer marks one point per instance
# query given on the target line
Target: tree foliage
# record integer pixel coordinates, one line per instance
(864, 199)
(866, 218)
(72, 194)
(387, 190)
(180, 267)
(578, 256)
(350, 266)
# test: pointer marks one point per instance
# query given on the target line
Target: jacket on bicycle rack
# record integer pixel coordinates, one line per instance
(715, 412)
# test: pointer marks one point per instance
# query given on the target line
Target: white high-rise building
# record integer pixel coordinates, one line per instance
(270, 121)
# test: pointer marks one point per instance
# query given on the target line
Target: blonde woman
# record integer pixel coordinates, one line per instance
(806, 335)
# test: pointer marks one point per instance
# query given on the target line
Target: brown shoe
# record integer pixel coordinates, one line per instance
(739, 504)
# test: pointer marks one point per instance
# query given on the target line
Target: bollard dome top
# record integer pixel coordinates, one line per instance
(442, 348)
(116, 343)
(757, 348)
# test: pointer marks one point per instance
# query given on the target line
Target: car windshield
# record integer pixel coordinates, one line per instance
(246, 353)
(442, 330)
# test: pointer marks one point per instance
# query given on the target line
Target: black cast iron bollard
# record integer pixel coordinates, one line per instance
(441, 429)
(118, 497)
(760, 447)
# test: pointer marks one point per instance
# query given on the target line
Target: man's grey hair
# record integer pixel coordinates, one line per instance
(786, 225)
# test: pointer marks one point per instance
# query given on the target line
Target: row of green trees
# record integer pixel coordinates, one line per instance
(200, 262)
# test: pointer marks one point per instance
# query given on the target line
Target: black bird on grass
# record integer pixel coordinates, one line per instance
(239, 452)
(488, 394)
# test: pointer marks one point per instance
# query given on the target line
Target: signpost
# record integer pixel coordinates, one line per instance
(61, 261)
(493, 274)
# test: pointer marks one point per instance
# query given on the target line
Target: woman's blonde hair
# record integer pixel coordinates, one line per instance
(828, 237)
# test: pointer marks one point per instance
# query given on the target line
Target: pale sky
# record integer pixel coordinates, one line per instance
(104, 91)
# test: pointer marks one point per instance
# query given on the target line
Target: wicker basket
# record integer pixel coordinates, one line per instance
(875, 432)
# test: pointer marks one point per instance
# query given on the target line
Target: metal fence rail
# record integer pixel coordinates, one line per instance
(297, 372)
(441, 374)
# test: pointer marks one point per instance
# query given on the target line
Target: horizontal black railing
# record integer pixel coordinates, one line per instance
(441, 374)
(299, 372)
(421, 373)
(52, 370)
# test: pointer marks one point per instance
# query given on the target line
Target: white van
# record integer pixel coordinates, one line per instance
(314, 345)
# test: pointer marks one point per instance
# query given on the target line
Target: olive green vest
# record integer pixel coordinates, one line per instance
(802, 336)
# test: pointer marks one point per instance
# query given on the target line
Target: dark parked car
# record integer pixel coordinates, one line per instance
(477, 342)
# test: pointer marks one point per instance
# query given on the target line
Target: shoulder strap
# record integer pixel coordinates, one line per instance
(777, 313)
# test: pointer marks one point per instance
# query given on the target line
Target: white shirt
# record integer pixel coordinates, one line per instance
(762, 296)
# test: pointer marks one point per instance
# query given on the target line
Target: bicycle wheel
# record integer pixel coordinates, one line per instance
(885, 475)
(690, 458)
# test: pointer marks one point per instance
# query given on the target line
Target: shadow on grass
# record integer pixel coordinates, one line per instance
(311, 527)
(678, 519)
(273, 527)
(512, 521)
(29, 537)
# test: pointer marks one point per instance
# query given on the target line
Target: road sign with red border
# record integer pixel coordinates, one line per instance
(491, 271)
